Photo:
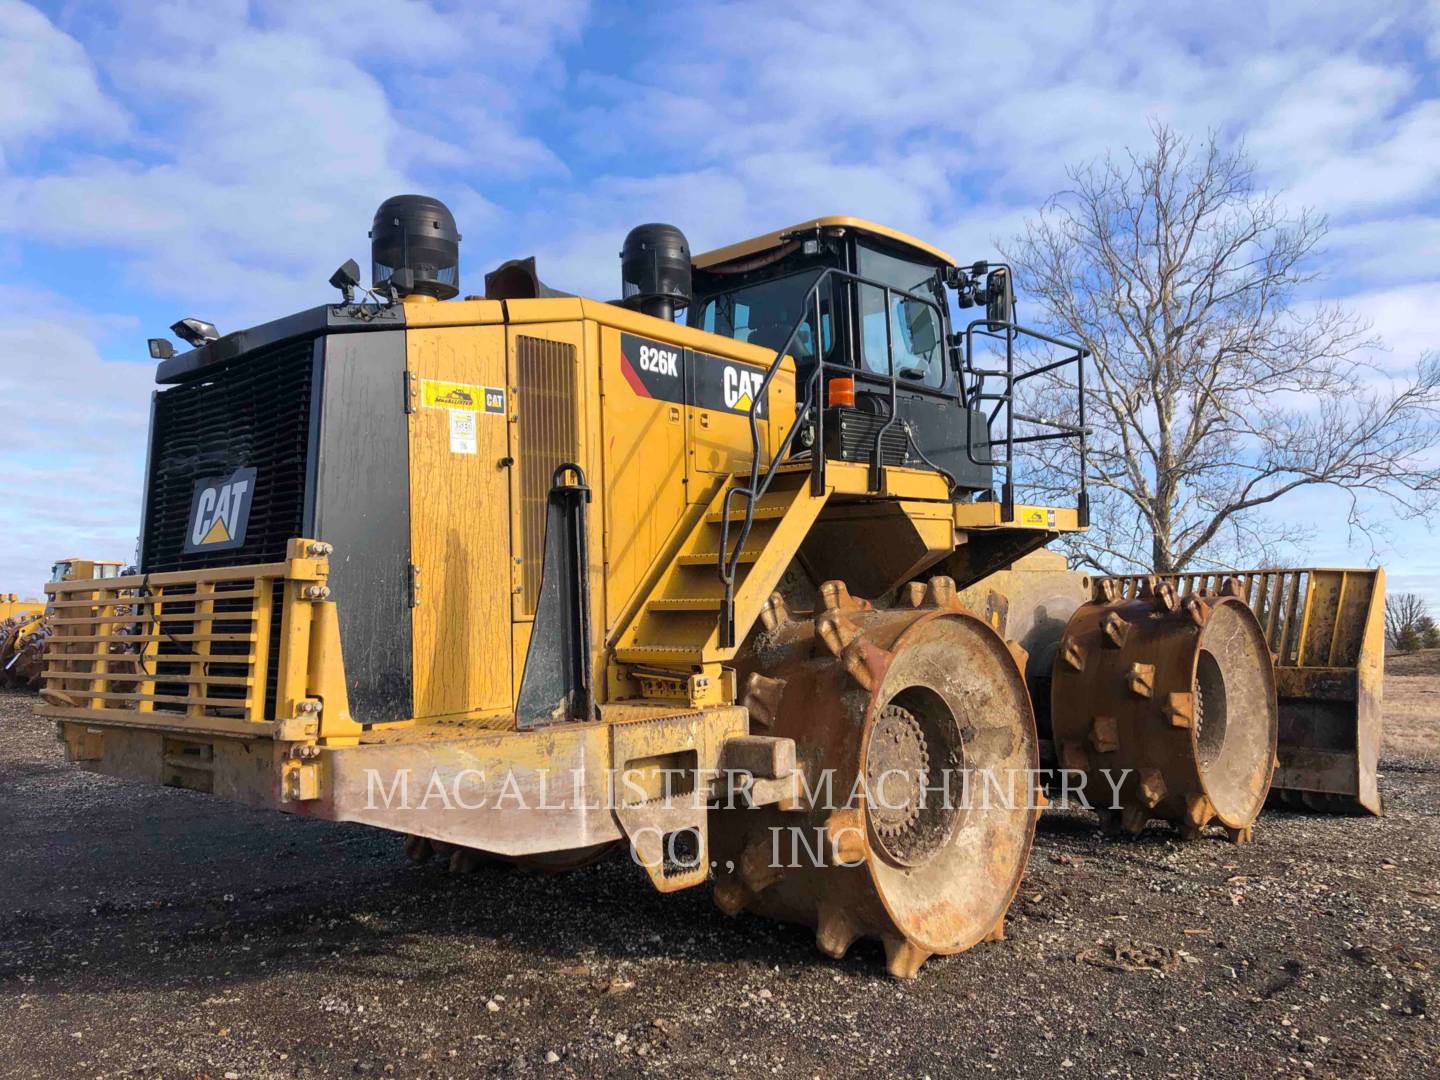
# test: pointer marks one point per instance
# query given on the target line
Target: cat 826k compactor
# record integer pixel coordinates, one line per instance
(731, 570)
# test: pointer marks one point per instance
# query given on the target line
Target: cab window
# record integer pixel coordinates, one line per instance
(764, 313)
(914, 325)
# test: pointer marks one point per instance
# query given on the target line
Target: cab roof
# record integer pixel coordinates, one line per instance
(854, 224)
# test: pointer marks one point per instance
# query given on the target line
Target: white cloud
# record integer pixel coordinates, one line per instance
(269, 139)
(1407, 318)
(964, 108)
(53, 84)
(1381, 251)
(75, 434)
(1396, 168)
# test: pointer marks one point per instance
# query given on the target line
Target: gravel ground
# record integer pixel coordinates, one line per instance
(150, 931)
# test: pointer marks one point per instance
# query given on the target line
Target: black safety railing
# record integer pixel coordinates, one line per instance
(808, 403)
(977, 396)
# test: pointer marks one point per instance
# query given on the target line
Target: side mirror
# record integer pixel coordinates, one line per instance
(1000, 305)
(920, 321)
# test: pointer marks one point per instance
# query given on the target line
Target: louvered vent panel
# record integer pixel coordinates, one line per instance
(548, 435)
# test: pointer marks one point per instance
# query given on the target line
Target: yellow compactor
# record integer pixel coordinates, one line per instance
(730, 570)
(25, 628)
(19, 619)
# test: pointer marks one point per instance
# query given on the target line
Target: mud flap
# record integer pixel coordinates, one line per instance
(556, 686)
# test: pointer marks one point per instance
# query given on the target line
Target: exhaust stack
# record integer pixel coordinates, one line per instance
(655, 270)
(415, 247)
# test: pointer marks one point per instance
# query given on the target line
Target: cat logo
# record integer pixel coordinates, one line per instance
(741, 388)
(219, 511)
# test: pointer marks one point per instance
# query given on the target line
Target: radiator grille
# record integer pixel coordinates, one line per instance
(254, 411)
(548, 435)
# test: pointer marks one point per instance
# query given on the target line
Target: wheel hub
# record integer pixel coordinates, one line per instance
(896, 770)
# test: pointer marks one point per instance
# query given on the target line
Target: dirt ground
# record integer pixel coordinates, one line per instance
(150, 931)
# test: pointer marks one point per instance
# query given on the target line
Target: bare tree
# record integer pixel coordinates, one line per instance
(1212, 391)
(1405, 619)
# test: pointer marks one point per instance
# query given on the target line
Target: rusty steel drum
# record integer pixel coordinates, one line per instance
(893, 712)
(1181, 693)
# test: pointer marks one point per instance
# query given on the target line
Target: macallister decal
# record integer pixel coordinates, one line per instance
(436, 394)
(688, 377)
(219, 512)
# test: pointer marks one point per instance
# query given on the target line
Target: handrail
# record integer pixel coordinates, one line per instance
(1008, 331)
(758, 486)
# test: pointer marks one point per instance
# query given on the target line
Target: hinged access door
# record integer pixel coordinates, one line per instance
(459, 520)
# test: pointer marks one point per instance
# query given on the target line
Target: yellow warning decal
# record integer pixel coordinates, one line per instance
(435, 394)
(1042, 517)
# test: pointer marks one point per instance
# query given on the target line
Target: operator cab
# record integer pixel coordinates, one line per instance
(100, 568)
(880, 308)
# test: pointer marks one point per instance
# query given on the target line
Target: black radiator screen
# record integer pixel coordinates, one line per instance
(253, 412)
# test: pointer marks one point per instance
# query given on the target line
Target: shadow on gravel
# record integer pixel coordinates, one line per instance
(374, 916)
(420, 922)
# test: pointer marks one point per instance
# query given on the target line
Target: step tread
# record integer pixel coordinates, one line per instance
(712, 558)
(685, 603)
(763, 512)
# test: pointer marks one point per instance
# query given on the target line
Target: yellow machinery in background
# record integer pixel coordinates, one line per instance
(12, 606)
(530, 575)
(25, 626)
(19, 619)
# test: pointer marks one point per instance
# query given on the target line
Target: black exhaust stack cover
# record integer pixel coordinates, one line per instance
(655, 270)
(415, 247)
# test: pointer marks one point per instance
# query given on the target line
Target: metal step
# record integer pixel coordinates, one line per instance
(712, 558)
(685, 603)
(763, 512)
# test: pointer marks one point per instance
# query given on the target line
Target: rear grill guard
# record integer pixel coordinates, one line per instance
(239, 650)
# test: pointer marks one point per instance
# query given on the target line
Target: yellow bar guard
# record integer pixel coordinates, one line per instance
(202, 650)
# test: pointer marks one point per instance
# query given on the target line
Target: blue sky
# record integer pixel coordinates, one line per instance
(220, 159)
